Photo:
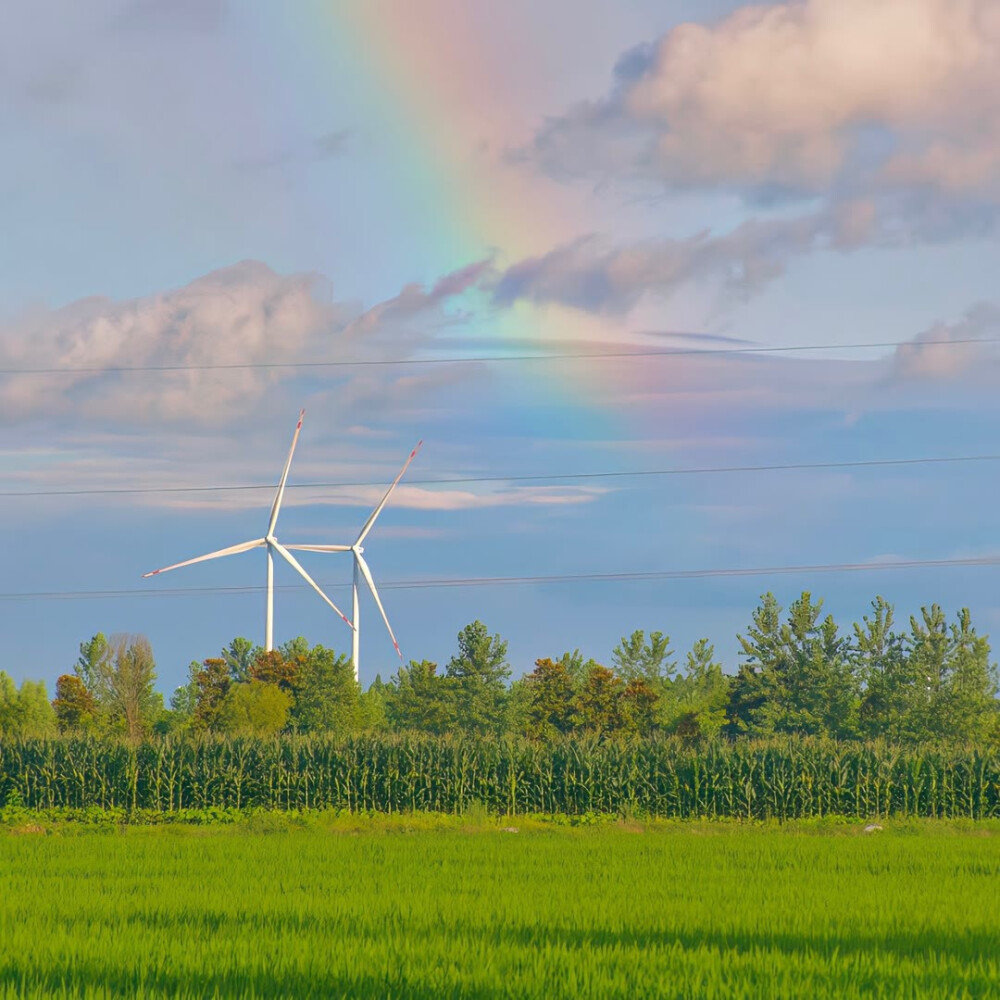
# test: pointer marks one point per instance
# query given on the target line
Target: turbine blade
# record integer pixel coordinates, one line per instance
(231, 551)
(293, 562)
(367, 573)
(319, 548)
(276, 506)
(378, 510)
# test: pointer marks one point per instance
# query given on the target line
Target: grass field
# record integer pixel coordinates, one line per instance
(437, 908)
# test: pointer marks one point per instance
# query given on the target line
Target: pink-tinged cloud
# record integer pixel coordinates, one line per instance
(789, 94)
(245, 319)
(947, 351)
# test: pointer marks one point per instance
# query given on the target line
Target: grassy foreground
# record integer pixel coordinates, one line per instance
(426, 907)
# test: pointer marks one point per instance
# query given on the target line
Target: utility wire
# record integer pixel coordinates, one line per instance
(490, 359)
(542, 477)
(510, 581)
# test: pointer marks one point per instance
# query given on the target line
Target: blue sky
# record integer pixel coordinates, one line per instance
(202, 184)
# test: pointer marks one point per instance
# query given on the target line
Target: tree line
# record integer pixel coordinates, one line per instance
(800, 674)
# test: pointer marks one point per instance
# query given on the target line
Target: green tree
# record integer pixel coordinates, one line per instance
(239, 656)
(254, 709)
(124, 688)
(89, 667)
(651, 660)
(419, 699)
(551, 693)
(701, 695)
(25, 712)
(956, 682)
(969, 709)
(372, 715)
(889, 687)
(576, 666)
(327, 698)
(38, 718)
(763, 654)
(184, 700)
(74, 705)
(517, 706)
(479, 673)
(806, 682)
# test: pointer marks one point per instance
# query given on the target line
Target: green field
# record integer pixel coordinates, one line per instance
(433, 907)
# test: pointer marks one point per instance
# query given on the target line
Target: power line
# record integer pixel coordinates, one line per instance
(489, 359)
(541, 477)
(509, 581)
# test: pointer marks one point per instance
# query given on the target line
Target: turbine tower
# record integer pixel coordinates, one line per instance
(271, 543)
(361, 569)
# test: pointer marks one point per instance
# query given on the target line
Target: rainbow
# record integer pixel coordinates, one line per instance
(440, 117)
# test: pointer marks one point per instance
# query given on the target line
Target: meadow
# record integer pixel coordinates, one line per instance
(446, 906)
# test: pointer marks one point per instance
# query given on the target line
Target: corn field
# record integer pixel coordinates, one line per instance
(787, 780)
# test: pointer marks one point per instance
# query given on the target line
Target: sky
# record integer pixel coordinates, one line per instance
(346, 207)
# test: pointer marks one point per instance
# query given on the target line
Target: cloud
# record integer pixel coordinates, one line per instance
(947, 351)
(878, 123)
(799, 94)
(215, 343)
(592, 275)
(240, 315)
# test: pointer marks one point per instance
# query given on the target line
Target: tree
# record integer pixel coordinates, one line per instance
(638, 710)
(327, 698)
(763, 654)
(704, 691)
(635, 657)
(551, 692)
(89, 666)
(956, 682)
(799, 672)
(969, 705)
(74, 705)
(254, 709)
(239, 656)
(125, 684)
(25, 713)
(576, 666)
(599, 702)
(278, 666)
(888, 681)
(419, 699)
(213, 682)
(479, 673)
(372, 709)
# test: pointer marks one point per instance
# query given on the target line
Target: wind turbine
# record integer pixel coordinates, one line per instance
(361, 568)
(271, 543)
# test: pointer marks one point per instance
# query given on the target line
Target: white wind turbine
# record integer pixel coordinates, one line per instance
(361, 568)
(271, 543)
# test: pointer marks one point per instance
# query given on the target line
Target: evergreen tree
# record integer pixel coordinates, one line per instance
(479, 673)
(239, 656)
(886, 675)
(636, 657)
